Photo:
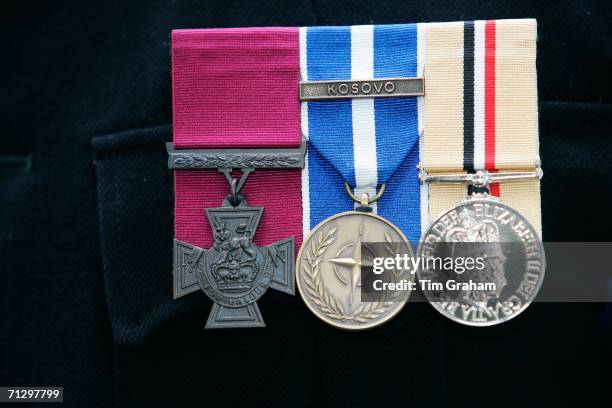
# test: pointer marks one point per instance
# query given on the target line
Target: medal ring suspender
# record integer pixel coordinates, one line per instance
(365, 200)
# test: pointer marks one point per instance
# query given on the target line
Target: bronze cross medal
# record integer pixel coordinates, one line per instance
(234, 273)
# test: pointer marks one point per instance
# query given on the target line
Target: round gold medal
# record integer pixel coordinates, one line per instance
(330, 265)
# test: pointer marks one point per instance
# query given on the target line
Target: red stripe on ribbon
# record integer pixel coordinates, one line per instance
(490, 41)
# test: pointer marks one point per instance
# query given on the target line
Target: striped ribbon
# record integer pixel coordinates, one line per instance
(366, 142)
(481, 108)
(238, 88)
(479, 98)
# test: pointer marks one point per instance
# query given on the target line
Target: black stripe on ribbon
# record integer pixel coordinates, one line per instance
(468, 96)
(468, 104)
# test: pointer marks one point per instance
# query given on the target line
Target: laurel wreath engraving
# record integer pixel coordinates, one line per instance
(223, 161)
(328, 304)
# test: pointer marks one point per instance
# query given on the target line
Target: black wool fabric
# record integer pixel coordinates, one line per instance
(86, 210)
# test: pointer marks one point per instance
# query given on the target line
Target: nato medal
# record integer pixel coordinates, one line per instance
(329, 263)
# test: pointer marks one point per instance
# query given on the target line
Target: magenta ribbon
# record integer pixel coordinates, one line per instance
(236, 88)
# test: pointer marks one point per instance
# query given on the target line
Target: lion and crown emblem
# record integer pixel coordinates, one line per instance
(236, 266)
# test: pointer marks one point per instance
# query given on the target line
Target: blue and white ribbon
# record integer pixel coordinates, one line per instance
(366, 142)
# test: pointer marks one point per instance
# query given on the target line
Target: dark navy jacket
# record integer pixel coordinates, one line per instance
(86, 207)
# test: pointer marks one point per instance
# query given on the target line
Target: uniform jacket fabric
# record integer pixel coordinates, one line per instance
(86, 226)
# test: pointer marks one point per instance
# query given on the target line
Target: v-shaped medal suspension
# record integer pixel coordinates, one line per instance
(235, 272)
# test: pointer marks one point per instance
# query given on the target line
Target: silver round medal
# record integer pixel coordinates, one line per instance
(328, 270)
(507, 267)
